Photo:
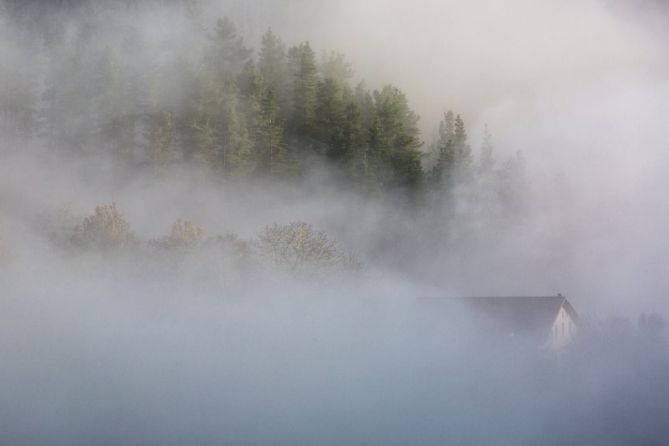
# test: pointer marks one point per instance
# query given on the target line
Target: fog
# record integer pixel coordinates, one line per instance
(214, 343)
(580, 87)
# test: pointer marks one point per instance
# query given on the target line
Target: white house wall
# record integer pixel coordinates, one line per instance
(563, 330)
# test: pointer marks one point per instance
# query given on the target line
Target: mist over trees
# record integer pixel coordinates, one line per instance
(94, 85)
(128, 93)
(123, 92)
(213, 232)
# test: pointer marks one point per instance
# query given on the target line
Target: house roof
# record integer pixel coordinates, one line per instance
(523, 315)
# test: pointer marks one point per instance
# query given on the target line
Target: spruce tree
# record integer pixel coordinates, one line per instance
(334, 66)
(269, 146)
(273, 68)
(227, 54)
(117, 119)
(399, 140)
(161, 139)
(454, 160)
(329, 117)
(442, 172)
(305, 88)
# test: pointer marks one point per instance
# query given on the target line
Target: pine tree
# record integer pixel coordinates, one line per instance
(447, 127)
(227, 54)
(462, 151)
(305, 88)
(273, 68)
(334, 66)
(221, 132)
(460, 138)
(353, 141)
(161, 139)
(220, 116)
(398, 143)
(328, 124)
(117, 119)
(365, 102)
(236, 156)
(272, 59)
(270, 148)
(442, 172)
(454, 158)
(378, 153)
(203, 125)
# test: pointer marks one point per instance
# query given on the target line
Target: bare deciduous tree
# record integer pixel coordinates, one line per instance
(300, 249)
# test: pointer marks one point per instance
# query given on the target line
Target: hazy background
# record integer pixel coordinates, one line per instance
(110, 354)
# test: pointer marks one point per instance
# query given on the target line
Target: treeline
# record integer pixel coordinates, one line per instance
(275, 114)
(295, 248)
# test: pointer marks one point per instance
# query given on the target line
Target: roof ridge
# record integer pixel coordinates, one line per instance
(496, 297)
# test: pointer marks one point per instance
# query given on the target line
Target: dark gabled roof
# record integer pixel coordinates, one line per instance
(532, 315)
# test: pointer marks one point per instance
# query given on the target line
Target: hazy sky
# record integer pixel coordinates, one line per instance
(477, 55)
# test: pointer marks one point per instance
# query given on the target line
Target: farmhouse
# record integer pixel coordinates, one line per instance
(550, 321)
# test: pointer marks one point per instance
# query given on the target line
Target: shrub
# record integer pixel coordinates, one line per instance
(184, 236)
(106, 230)
(300, 249)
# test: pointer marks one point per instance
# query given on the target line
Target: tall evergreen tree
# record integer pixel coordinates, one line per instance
(334, 66)
(117, 119)
(162, 139)
(236, 155)
(305, 88)
(274, 70)
(353, 144)
(462, 151)
(395, 140)
(227, 54)
(329, 119)
(442, 172)
(270, 148)
(365, 102)
(454, 160)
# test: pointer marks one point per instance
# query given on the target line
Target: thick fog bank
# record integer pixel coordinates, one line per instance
(133, 347)
(106, 362)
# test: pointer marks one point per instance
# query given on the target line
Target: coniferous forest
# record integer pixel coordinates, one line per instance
(240, 110)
